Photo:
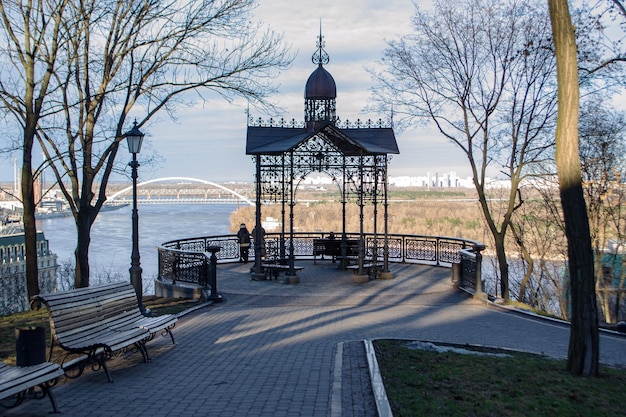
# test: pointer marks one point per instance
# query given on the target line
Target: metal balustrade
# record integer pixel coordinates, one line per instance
(187, 260)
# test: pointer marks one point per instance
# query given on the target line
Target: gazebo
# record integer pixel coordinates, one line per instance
(354, 154)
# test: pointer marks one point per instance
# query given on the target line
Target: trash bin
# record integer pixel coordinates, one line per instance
(30, 346)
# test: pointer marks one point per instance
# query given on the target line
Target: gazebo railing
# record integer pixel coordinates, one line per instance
(184, 259)
(183, 266)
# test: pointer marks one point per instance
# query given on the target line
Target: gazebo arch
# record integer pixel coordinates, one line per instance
(354, 155)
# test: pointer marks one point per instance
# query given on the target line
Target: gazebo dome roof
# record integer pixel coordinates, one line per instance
(320, 85)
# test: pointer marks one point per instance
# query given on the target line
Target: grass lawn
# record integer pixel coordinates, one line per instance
(432, 383)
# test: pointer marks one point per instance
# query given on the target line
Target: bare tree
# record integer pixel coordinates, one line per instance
(33, 39)
(483, 72)
(145, 57)
(600, 29)
(584, 344)
(602, 149)
(538, 231)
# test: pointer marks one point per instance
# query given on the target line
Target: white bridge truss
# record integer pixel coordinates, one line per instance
(178, 191)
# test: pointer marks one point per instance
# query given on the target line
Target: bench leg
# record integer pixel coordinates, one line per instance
(100, 359)
(45, 387)
(14, 400)
(371, 272)
(169, 331)
(141, 347)
(106, 371)
(21, 396)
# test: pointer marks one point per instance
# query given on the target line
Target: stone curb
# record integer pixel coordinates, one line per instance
(380, 395)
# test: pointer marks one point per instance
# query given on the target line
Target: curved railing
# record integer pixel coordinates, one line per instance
(187, 259)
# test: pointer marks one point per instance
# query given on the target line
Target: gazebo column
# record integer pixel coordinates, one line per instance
(386, 274)
(282, 251)
(291, 277)
(258, 269)
(344, 237)
(375, 204)
(360, 276)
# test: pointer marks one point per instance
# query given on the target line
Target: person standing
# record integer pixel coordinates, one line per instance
(261, 240)
(243, 236)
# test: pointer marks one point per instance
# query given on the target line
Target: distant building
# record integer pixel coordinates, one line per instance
(433, 180)
(13, 292)
(430, 180)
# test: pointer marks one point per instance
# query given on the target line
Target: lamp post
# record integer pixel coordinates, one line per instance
(134, 139)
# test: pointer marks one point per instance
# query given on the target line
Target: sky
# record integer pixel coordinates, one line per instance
(207, 141)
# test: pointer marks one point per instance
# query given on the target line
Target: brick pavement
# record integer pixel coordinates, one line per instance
(271, 349)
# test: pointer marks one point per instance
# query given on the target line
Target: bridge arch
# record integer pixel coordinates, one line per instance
(189, 179)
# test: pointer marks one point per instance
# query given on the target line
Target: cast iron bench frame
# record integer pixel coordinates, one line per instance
(368, 267)
(17, 381)
(97, 321)
(274, 269)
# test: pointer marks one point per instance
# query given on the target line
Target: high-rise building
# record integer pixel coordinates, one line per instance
(13, 292)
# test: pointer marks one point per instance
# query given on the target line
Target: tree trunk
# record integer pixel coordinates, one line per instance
(528, 273)
(503, 265)
(81, 253)
(30, 229)
(498, 237)
(584, 345)
(583, 352)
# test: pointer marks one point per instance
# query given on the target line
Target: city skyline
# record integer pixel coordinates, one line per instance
(208, 139)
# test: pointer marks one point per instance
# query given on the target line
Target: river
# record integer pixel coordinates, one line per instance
(111, 236)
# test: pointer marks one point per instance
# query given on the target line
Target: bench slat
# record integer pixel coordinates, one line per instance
(14, 380)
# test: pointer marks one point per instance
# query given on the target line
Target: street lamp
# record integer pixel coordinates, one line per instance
(134, 139)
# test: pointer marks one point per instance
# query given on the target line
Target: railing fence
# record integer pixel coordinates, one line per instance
(187, 260)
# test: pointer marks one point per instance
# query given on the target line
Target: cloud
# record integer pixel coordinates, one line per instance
(207, 140)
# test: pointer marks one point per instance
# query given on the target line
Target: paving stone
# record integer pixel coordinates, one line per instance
(270, 349)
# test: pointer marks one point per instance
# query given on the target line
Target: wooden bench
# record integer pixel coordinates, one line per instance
(97, 321)
(274, 269)
(15, 382)
(332, 248)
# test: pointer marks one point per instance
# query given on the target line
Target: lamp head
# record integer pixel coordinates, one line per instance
(134, 139)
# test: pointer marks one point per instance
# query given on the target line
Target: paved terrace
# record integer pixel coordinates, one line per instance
(295, 350)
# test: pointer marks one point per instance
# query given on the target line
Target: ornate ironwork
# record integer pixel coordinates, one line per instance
(298, 124)
(372, 242)
(365, 178)
(320, 57)
(177, 265)
(271, 122)
(193, 245)
(272, 180)
(228, 244)
(402, 249)
(320, 110)
(394, 248)
(183, 266)
(449, 251)
(468, 277)
(421, 249)
(317, 154)
(364, 124)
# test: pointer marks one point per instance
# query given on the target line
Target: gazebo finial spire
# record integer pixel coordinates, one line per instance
(320, 57)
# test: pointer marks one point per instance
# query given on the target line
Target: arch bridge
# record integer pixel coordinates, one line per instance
(181, 190)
